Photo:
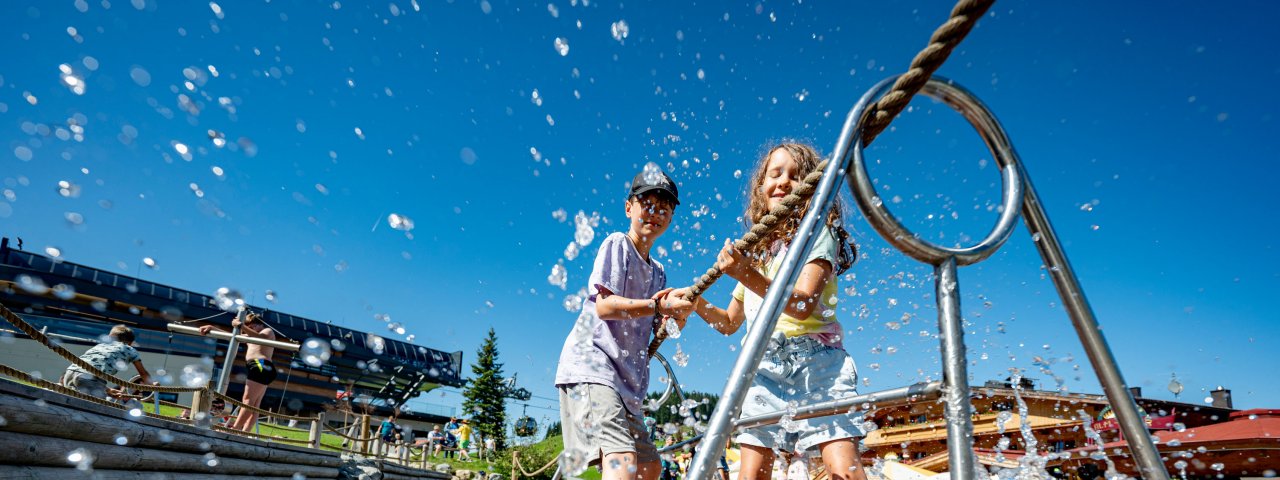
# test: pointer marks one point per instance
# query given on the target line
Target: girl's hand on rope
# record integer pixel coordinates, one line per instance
(732, 262)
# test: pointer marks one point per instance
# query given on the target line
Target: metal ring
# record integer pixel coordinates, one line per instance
(968, 105)
(672, 386)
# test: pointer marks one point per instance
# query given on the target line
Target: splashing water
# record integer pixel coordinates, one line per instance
(652, 173)
(620, 30)
(195, 375)
(315, 352)
(673, 330)
(228, 299)
(562, 46)
(82, 459)
(32, 284)
(400, 222)
(376, 343)
(559, 276)
(681, 358)
(584, 228)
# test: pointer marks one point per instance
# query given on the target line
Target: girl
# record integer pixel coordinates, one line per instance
(805, 361)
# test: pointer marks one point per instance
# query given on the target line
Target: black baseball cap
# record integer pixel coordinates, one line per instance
(652, 180)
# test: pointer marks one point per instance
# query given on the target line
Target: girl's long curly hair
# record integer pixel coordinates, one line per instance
(807, 159)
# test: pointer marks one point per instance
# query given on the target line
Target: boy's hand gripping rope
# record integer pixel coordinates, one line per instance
(945, 39)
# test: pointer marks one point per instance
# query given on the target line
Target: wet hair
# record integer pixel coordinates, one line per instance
(807, 160)
(122, 334)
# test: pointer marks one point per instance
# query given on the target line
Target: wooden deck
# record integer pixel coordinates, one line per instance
(39, 431)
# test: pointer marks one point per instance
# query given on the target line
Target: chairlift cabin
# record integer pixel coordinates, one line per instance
(526, 426)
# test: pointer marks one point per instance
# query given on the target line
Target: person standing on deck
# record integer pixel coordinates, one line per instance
(257, 362)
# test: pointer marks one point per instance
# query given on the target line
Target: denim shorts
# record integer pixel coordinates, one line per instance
(804, 371)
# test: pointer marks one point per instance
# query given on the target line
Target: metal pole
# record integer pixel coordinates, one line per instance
(887, 398)
(233, 345)
(955, 374)
(744, 370)
(1095, 345)
(221, 335)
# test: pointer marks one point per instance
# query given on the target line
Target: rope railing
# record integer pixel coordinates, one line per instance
(274, 438)
(261, 411)
(70, 392)
(517, 468)
(339, 433)
(944, 39)
(36, 335)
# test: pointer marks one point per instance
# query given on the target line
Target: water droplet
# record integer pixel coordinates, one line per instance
(400, 222)
(228, 299)
(315, 352)
(82, 459)
(681, 358)
(620, 30)
(559, 276)
(32, 284)
(562, 46)
(196, 375)
(22, 152)
(376, 343)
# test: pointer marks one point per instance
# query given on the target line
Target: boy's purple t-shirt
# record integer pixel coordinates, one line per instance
(614, 353)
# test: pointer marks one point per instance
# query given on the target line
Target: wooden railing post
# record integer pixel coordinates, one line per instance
(201, 400)
(364, 435)
(314, 436)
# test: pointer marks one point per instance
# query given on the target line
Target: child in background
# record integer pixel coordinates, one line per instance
(805, 361)
(604, 365)
(111, 356)
(464, 441)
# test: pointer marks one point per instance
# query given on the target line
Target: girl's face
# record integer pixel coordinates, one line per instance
(781, 176)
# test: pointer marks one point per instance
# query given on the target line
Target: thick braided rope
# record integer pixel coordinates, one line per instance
(47, 385)
(261, 411)
(35, 334)
(945, 38)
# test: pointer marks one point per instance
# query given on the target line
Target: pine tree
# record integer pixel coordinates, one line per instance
(484, 400)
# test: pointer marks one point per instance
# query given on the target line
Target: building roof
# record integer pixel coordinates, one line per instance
(383, 368)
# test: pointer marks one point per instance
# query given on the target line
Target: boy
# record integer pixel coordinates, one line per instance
(259, 371)
(110, 357)
(464, 441)
(604, 366)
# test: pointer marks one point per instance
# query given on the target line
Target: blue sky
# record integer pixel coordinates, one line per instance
(1142, 129)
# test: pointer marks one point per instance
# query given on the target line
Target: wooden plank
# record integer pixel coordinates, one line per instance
(61, 416)
(37, 450)
(45, 473)
(30, 411)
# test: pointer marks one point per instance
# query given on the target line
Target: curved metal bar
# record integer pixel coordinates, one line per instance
(997, 141)
(744, 370)
(672, 386)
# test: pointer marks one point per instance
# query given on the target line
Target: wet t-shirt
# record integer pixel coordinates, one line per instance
(613, 353)
(822, 323)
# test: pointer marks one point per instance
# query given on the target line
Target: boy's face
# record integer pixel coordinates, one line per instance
(650, 215)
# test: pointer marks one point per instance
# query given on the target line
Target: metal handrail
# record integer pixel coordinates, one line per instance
(1018, 195)
(887, 398)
